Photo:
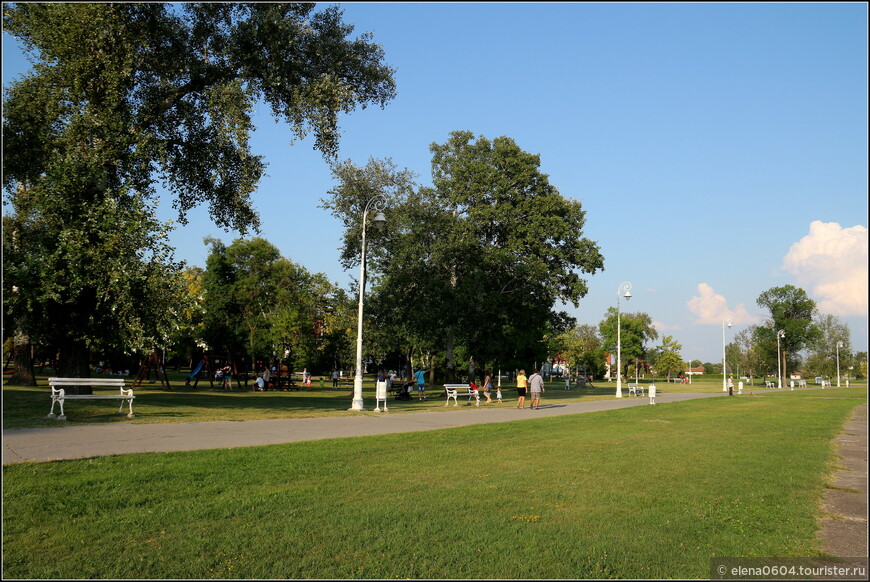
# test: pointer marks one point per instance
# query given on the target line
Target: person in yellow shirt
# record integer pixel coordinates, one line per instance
(522, 384)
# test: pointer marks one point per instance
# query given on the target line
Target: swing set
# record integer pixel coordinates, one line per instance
(159, 371)
(207, 368)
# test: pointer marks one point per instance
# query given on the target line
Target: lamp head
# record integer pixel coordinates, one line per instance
(627, 295)
(379, 220)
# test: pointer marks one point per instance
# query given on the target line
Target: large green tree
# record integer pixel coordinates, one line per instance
(823, 352)
(481, 259)
(751, 356)
(792, 312)
(123, 96)
(89, 277)
(259, 304)
(581, 346)
(513, 249)
(636, 330)
(669, 361)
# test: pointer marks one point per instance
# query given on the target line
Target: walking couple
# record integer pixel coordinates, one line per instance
(535, 385)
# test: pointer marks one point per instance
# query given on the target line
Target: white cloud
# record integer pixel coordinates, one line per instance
(711, 308)
(831, 264)
(664, 327)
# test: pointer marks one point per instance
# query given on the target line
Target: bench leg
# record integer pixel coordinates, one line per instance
(59, 401)
(62, 415)
(121, 410)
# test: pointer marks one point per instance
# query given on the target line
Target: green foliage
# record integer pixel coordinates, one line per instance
(259, 303)
(96, 276)
(669, 362)
(477, 262)
(823, 351)
(636, 330)
(792, 311)
(582, 346)
(123, 95)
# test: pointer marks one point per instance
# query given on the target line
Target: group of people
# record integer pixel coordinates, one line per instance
(224, 377)
(534, 384)
(264, 379)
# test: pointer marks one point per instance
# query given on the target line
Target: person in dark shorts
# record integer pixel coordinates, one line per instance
(522, 384)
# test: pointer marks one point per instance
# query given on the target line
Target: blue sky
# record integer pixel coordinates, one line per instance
(718, 149)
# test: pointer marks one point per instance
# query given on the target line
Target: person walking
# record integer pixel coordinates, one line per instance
(487, 388)
(536, 386)
(731, 385)
(522, 385)
(335, 379)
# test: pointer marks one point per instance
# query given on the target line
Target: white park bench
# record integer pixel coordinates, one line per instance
(454, 390)
(769, 384)
(802, 383)
(59, 395)
(635, 388)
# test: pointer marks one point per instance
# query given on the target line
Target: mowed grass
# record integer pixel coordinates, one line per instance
(644, 492)
(28, 406)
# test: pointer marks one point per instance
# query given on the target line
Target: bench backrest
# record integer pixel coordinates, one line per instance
(113, 382)
(457, 386)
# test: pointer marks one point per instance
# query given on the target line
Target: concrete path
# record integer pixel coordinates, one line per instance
(844, 522)
(78, 442)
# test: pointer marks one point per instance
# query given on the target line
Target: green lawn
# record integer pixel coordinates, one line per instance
(644, 492)
(27, 407)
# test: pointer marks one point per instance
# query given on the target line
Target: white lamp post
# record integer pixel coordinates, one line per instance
(779, 334)
(839, 345)
(727, 321)
(379, 222)
(626, 286)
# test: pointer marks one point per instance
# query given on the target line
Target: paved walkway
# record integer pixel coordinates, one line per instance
(78, 442)
(844, 505)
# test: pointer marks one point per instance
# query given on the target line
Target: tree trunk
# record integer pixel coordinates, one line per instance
(75, 362)
(449, 363)
(23, 357)
(784, 368)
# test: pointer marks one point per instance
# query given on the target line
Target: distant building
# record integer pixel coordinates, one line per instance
(699, 371)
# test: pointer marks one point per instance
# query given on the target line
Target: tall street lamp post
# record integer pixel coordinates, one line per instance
(627, 287)
(779, 334)
(727, 321)
(839, 345)
(376, 203)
